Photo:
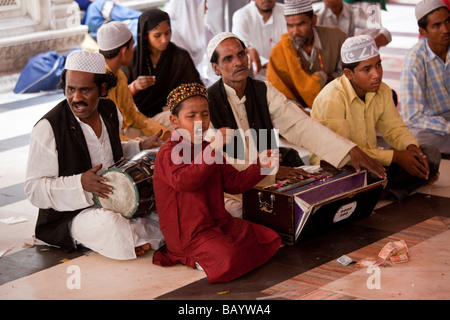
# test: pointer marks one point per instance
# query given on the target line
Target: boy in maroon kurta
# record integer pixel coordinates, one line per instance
(189, 182)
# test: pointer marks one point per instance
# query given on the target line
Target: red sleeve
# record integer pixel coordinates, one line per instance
(236, 182)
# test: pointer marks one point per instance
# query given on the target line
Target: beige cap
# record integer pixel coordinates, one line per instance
(86, 61)
(359, 48)
(424, 7)
(112, 35)
(293, 7)
(216, 40)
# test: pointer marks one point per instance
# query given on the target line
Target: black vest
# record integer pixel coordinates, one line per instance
(257, 113)
(73, 158)
(258, 116)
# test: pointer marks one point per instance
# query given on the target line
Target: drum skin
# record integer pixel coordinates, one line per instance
(132, 182)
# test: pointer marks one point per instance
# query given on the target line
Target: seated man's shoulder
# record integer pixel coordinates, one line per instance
(331, 33)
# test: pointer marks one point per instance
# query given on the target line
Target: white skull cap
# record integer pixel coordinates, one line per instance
(358, 48)
(214, 42)
(86, 61)
(426, 6)
(293, 7)
(112, 35)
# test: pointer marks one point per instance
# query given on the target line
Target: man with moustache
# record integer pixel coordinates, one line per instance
(425, 80)
(259, 25)
(69, 148)
(239, 102)
(359, 104)
(307, 56)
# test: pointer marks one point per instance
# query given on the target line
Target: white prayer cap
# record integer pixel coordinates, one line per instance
(424, 7)
(216, 40)
(293, 7)
(359, 48)
(86, 61)
(112, 35)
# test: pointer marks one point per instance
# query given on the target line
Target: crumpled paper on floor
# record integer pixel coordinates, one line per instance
(13, 220)
(395, 251)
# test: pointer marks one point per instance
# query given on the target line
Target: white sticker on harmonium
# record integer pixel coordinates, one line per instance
(344, 212)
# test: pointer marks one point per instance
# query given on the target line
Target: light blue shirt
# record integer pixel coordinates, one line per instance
(425, 89)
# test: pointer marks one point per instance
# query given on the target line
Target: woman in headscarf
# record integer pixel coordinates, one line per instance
(158, 65)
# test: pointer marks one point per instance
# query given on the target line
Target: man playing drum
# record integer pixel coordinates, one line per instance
(69, 148)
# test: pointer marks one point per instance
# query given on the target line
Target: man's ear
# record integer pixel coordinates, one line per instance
(423, 32)
(216, 69)
(314, 20)
(103, 90)
(123, 50)
(174, 121)
(348, 73)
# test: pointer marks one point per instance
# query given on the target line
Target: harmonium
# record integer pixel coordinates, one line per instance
(329, 198)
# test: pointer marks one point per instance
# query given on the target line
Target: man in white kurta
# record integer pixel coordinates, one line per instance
(229, 61)
(260, 29)
(101, 230)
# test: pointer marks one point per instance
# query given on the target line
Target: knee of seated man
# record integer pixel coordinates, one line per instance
(433, 156)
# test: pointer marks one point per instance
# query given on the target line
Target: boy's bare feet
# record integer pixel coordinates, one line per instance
(142, 249)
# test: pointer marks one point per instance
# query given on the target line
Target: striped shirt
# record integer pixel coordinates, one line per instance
(425, 89)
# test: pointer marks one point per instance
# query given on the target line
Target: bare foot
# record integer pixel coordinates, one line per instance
(434, 179)
(142, 249)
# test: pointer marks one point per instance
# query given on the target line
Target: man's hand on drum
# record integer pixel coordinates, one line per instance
(92, 182)
(152, 141)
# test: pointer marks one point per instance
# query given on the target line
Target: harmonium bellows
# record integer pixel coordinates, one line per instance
(330, 198)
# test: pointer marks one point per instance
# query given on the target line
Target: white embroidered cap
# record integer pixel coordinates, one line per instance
(293, 7)
(426, 6)
(86, 61)
(358, 48)
(216, 40)
(112, 35)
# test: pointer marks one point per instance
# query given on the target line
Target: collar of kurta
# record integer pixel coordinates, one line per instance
(344, 13)
(430, 53)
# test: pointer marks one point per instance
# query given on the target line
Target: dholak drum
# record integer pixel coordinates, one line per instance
(132, 183)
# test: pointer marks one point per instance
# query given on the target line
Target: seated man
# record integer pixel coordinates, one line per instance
(307, 57)
(358, 104)
(353, 21)
(425, 81)
(240, 102)
(259, 24)
(115, 43)
(69, 147)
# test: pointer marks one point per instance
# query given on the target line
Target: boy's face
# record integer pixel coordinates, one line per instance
(193, 112)
(366, 77)
(438, 28)
(128, 53)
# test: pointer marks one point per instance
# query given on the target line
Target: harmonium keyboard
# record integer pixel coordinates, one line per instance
(329, 198)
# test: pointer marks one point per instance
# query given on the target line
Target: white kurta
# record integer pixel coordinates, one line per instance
(103, 231)
(295, 126)
(249, 26)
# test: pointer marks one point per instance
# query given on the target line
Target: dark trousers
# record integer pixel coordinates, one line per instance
(401, 183)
